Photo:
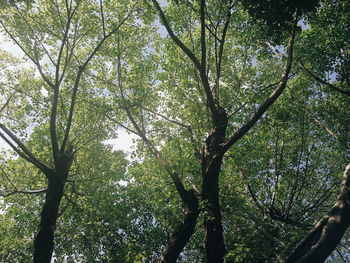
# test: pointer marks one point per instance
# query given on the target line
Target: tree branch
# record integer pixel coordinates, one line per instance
(36, 63)
(320, 80)
(270, 100)
(26, 154)
(6, 103)
(102, 18)
(250, 190)
(203, 46)
(34, 34)
(177, 41)
(4, 194)
(220, 54)
(194, 59)
(163, 162)
(79, 74)
(328, 232)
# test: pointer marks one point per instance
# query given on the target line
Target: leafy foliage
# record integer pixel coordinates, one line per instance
(273, 184)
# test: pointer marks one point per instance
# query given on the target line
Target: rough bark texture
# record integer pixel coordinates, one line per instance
(43, 244)
(44, 239)
(328, 232)
(184, 231)
(214, 240)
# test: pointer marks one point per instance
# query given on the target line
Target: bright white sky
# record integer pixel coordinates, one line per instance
(123, 142)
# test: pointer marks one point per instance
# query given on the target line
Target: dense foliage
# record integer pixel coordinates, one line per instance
(241, 114)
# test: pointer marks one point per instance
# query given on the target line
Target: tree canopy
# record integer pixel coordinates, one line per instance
(241, 114)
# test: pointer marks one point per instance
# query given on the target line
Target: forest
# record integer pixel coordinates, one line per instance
(238, 112)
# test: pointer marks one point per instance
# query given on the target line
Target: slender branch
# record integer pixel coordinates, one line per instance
(71, 110)
(203, 46)
(69, 53)
(60, 52)
(340, 255)
(163, 162)
(80, 72)
(328, 130)
(270, 100)
(69, 201)
(251, 192)
(26, 154)
(92, 138)
(165, 117)
(6, 103)
(102, 18)
(315, 204)
(34, 34)
(59, 12)
(194, 59)
(122, 125)
(177, 41)
(38, 101)
(97, 48)
(313, 75)
(322, 81)
(220, 54)
(187, 127)
(47, 29)
(8, 178)
(53, 117)
(36, 62)
(3, 194)
(8, 66)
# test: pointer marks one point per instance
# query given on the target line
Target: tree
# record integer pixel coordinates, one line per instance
(217, 138)
(242, 115)
(61, 51)
(208, 68)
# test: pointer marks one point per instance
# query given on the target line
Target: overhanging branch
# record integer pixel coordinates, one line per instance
(5, 193)
(24, 152)
(270, 100)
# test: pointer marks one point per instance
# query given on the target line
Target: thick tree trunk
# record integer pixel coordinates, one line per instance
(328, 232)
(214, 240)
(183, 232)
(44, 239)
(211, 164)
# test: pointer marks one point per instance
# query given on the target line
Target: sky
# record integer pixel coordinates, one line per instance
(123, 142)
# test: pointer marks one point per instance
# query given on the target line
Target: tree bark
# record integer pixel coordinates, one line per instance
(211, 165)
(184, 231)
(44, 239)
(328, 232)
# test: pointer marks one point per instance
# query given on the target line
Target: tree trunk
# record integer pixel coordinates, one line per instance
(211, 164)
(328, 232)
(44, 239)
(183, 232)
(214, 240)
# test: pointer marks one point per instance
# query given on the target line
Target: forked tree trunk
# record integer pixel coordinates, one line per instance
(183, 232)
(211, 165)
(44, 239)
(328, 232)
